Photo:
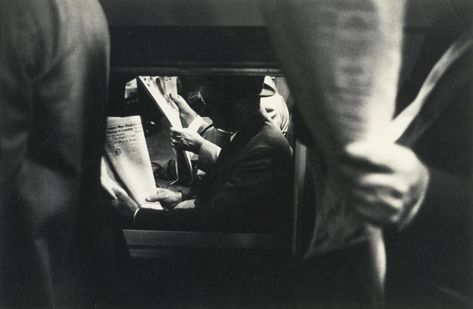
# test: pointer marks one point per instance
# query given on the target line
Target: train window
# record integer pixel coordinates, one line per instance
(147, 45)
(247, 200)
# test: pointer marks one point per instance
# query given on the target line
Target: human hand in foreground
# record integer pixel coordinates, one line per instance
(124, 205)
(186, 113)
(383, 182)
(186, 139)
(168, 198)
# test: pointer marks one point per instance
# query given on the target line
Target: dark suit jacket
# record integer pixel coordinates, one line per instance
(248, 190)
(430, 262)
(53, 83)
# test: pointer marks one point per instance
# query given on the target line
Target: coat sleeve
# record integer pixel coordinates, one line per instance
(253, 199)
(208, 155)
(447, 209)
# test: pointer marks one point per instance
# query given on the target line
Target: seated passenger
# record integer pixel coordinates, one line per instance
(248, 188)
(201, 138)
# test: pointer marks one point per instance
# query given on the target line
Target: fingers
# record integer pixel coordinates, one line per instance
(158, 195)
(124, 205)
(356, 179)
(176, 136)
(382, 182)
(378, 205)
(369, 156)
(376, 197)
(180, 102)
(129, 202)
(184, 139)
(176, 131)
(182, 105)
(168, 198)
(176, 144)
(369, 213)
(186, 113)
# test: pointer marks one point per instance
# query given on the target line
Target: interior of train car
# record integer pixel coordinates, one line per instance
(193, 41)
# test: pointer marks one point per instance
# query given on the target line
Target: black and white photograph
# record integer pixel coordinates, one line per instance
(236, 154)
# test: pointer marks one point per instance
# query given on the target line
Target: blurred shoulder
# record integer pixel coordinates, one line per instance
(62, 19)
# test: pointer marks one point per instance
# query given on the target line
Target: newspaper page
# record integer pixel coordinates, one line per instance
(108, 180)
(159, 88)
(342, 67)
(127, 160)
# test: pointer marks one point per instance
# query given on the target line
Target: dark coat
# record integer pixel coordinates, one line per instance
(248, 190)
(430, 262)
(53, 83)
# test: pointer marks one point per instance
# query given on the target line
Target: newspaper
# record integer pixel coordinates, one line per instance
(126, 166)
(342, 67)
(159, 88)
(360, 89)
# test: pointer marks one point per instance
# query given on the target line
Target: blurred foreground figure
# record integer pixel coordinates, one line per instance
(417, 190)
(53, 81)
(430, 256)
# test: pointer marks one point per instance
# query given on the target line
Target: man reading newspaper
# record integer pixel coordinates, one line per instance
(248, 189)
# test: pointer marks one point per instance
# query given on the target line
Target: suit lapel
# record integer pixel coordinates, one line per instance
(217, 177)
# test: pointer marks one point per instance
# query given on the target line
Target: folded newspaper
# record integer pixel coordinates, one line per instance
(159, 88)
(343, 67)
(359, 91)
(126, 166)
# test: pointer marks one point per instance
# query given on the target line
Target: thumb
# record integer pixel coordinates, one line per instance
(157, 196)
(175, 130)
(180, 102)
(127, 200)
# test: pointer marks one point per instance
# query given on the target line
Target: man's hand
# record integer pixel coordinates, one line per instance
(186, 113)
(124, 205)
(383, 182)
(168, 198)
(186, 139)
(187, 204)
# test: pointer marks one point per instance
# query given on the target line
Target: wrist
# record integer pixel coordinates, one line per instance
(198, 144)
(197, 124)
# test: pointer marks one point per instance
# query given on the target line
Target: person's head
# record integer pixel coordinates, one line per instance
(233, 100)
